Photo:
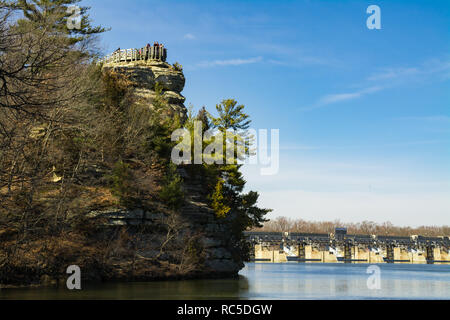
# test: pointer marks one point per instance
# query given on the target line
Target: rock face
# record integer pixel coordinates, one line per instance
(145, 74)
(198, 218)
(215, 241)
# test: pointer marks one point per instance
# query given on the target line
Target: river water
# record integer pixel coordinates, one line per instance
(273, 281)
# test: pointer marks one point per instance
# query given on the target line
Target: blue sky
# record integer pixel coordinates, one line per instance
(364, 115)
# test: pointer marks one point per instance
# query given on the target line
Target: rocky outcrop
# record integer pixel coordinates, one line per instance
(145, 74)
(197, 218)
(215, 239)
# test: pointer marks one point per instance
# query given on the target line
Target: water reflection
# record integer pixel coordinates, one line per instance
(339, 281)
(272, 281)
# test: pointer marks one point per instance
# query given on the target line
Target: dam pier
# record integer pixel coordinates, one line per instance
(340, 247)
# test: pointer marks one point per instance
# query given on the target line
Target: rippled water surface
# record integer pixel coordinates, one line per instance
(273, 281)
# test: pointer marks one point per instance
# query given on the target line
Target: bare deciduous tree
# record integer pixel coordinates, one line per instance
(283, 224)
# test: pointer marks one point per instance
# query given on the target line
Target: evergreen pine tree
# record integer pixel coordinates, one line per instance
(38, 12)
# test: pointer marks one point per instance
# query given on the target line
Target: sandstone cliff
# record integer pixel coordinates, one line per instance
(145, 74)
(79, 216)
(197, 219)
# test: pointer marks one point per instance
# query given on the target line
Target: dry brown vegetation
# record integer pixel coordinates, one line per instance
(73, 141)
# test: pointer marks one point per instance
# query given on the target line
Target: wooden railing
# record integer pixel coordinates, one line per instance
(142, 54)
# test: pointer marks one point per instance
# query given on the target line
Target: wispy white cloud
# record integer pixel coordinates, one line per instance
(340, 97)
(189, 36)
(302, 61)
(229, 62)
(393, 73)
(437, 66)
(291, 55)
(333, 98)
(388, 78)
(430, 68)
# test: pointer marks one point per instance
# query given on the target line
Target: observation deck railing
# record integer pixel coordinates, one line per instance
(142, 54)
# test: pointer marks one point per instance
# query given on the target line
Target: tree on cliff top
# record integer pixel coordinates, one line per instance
(225, 182)
(232, 118)
(228, 200)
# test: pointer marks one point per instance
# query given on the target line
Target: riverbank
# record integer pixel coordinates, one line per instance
(164, 272)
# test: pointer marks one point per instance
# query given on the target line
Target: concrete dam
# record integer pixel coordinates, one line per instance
(340, 247)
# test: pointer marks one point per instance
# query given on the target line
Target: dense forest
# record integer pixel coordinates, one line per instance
(74, 141)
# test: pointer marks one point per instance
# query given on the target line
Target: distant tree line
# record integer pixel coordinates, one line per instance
(284, 224)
